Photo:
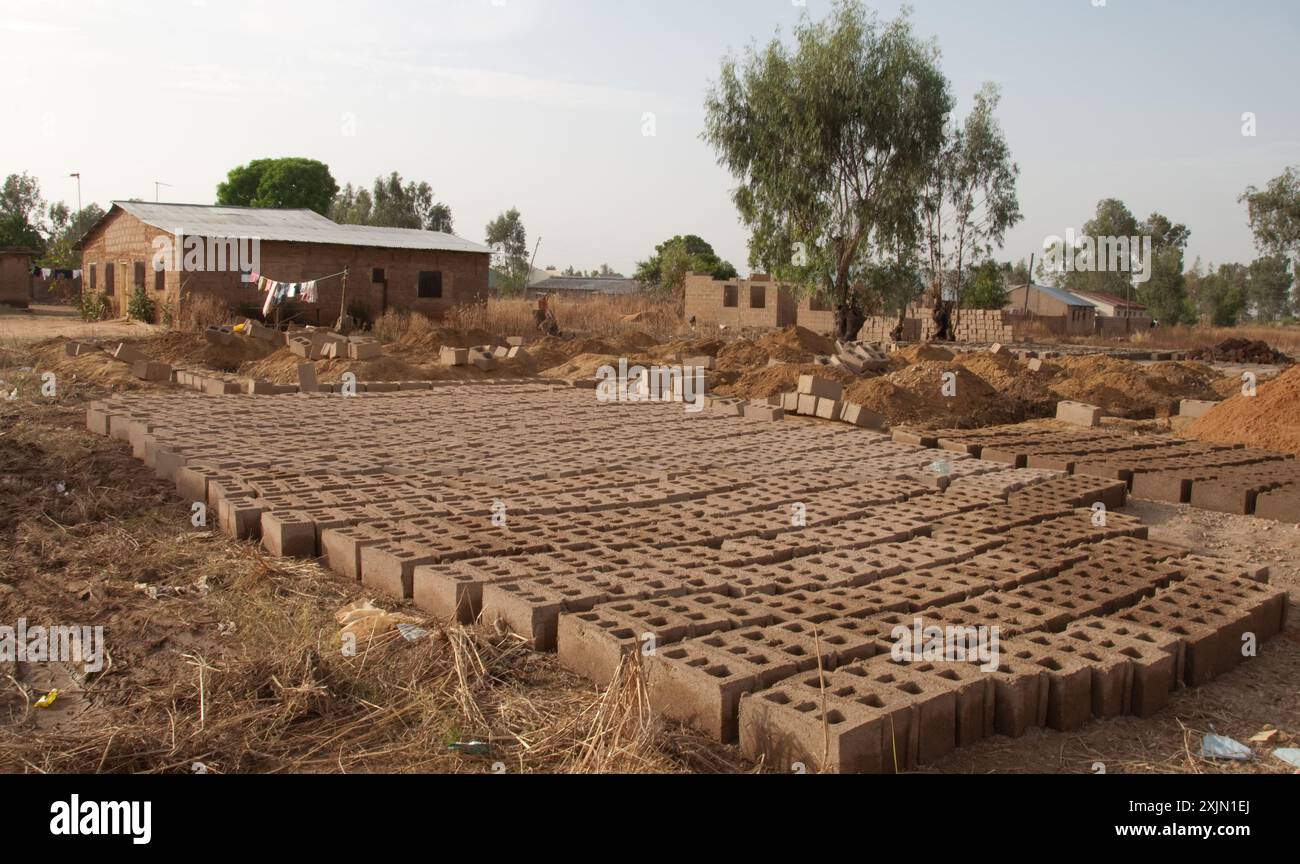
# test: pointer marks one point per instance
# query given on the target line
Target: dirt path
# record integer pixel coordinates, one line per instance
(46, 322)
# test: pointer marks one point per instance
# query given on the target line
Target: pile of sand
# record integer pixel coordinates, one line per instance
(923, 352)
(1014, 380)
(769, 381)
(795, 345)
(182, 348)
(742, 355)
(1131, 390)
(914, 395)
(1269, 420)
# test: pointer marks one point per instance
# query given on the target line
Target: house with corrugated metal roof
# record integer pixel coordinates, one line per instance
(178, 253)
(553, 282)
(1047, 302)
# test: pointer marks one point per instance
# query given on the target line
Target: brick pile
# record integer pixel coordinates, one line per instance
(759, 573)
(1228, 478)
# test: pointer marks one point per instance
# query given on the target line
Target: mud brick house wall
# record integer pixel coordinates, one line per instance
(753, 302)
(1076, 315)
(816, 314)
(421, 271)
(15, 276)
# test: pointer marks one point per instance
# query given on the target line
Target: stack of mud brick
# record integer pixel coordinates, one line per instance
(859, 357)
(315, 344)
(1227, 478)
(983, 325)
(823, 398)
(763, 603)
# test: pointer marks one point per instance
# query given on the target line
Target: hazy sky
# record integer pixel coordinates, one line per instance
(539, 104)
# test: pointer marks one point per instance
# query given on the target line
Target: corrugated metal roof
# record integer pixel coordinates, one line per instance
(1095, 297)
(288, 226)
(588, 284)
(1060, 294)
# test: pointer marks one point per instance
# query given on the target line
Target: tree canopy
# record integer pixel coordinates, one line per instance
(391, 203)
(507, 237)
(969, 201)
(1274, 213)
(290, 183)
(831, 142)
(675, 257)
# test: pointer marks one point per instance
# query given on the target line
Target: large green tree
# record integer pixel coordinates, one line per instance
(22, 212)
(1275, 214)
(507, 237)
(969, 201)
(66, 228)
(1220, 295)
(392, 204)
(984, 287)
(831, 141)
(289, 183)
(666, 270)
(1112, 229)
(1270, 288)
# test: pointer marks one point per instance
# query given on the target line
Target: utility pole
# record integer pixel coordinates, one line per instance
(156, 184)
(77, 174)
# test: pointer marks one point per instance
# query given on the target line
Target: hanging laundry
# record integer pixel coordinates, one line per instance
(309, 291)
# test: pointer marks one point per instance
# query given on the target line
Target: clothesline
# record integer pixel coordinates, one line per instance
(277, 292)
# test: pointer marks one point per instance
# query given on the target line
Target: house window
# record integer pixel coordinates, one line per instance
(730, 296)
(139, 274)
(378, 275)
(430, 285)
(757, 296)
(159, 277)
(110, 275)
(94, 283)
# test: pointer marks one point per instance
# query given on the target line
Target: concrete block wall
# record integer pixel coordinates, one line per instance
(706, 302)
(125, 240)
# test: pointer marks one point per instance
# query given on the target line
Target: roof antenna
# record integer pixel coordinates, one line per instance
(156, 184)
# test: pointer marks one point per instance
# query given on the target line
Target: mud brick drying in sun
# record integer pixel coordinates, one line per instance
(760, 574)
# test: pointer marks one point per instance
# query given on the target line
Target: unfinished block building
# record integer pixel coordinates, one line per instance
(424, 271)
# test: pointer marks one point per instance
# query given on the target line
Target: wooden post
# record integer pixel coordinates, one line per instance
(343, 299)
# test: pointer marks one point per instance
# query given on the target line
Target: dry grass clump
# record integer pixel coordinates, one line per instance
(200, 311)
(587, 316)
(221, 657)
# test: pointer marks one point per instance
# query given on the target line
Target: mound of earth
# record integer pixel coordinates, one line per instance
(795, 345)
(924, 351)
(1269, 420)
(1014, 379)
(582, 366)
(1239, 350)
(1130, 390)
(915, 395)
(771, 380)
(742, 355)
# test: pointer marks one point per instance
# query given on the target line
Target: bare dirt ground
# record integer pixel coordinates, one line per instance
(1259, 695)
(217, 651)
(47, 322)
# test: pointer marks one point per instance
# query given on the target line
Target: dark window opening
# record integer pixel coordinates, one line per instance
(378, 275)
(758, 297)
(139, 274)
(159, 277)
(110, 277)
(430, 285)
(730, 296)
(94, 283)
(817, 303)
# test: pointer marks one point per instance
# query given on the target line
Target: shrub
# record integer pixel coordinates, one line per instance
(141, 306)
(92, 306)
